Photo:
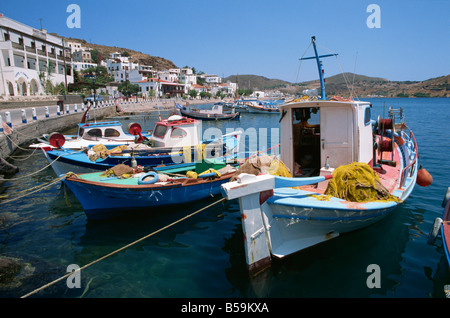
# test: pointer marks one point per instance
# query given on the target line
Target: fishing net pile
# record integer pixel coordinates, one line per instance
(357, 182)
(263, 164)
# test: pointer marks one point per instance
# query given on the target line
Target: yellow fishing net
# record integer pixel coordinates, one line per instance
(357, 182)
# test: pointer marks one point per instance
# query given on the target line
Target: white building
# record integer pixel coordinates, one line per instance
(80, 66)
(211, 79)
(121, 68)
(155, 87)
(28, 56)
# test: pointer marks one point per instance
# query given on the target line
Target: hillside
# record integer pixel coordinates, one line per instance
(158, 63)
(363, 86)
(256, 82)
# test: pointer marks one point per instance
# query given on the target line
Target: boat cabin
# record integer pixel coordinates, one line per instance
(177, 131)
(106, 129)
(316, 135)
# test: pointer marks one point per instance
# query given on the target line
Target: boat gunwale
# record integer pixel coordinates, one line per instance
(153, 186)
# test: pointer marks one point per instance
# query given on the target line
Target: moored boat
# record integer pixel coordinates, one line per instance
(263, 108)
(108, 133)
(441, 226)
(348, 172)
(175, 140)
(215, 113)
(103, 196)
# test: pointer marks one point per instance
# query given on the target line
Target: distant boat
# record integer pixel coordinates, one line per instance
(215, 113)
(284, 215)
(263, 108)
(105, 197)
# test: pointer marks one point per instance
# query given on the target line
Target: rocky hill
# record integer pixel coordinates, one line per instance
(345, 84)
(158, 63)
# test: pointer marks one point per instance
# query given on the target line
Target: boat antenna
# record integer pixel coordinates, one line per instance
(319, 66)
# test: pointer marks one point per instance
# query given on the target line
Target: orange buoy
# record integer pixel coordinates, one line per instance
(424, 178)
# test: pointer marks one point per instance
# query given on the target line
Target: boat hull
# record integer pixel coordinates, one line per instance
(109, 200)
(262, 110)
(205, 116)
(300, 219)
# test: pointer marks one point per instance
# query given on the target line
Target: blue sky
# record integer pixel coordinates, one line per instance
(263, 37)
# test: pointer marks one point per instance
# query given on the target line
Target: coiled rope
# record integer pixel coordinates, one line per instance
(122, 248)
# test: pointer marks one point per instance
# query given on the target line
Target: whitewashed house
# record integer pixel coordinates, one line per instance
(29, 55)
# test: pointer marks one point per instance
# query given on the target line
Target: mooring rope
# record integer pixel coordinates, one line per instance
(122, 248)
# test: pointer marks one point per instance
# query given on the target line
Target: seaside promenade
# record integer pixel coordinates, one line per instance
(23, 125)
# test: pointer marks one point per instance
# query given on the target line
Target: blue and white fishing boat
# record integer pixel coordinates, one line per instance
(175, 140)
(104, 197)
(108, 133)
(319, 141)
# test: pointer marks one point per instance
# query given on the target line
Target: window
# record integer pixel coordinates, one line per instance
(178, 132)
(111, 132)
(95, 132)
(367, 116)
(160, 131)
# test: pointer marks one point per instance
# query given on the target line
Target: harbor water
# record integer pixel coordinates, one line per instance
(203, 256)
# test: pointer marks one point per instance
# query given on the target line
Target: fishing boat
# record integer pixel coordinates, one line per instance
(107, 195)
(263, 108)
(348, 172)
(108, 133)
(175, 140)
(442, 225)
(215, 113)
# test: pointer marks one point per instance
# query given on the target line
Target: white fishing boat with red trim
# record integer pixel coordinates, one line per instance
(284, 215)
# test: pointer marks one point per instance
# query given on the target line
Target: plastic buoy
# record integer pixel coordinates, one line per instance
(424, 178)
(434, 231)
(134, 129)
(56, 140)
(148, 174)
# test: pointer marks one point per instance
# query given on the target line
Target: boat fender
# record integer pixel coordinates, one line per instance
(446, 198)
(424, 178)
(148, 174)
(434, 231)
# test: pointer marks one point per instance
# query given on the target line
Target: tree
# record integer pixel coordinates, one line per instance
(95, 56)
(193, 93)
(127, 89)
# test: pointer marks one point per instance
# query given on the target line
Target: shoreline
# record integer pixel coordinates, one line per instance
(166, 105)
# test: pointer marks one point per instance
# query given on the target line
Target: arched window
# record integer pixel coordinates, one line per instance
(178, 133)
(111, 132)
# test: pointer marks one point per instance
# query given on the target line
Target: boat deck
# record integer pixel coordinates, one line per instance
(389, 176)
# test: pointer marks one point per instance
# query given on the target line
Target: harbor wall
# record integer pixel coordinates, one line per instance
(29, 132)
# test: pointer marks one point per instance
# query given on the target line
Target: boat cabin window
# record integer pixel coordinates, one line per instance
(367, 116)
(96, 132)
(81, 132)
(160, 131)
(178, 132)
(306, 141)
(111, 132)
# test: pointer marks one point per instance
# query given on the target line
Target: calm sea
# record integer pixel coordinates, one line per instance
(203, 256)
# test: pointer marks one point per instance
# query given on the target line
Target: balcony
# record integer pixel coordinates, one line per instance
(30, 49)
(17, 45)
(42, 52)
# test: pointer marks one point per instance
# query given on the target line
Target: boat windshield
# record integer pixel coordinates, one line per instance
(160, 131)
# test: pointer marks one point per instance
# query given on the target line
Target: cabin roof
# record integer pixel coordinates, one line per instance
(322, 103)
(100, 124)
